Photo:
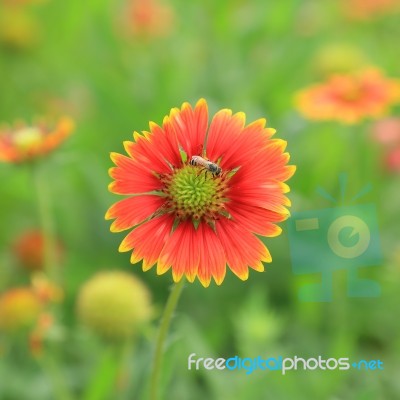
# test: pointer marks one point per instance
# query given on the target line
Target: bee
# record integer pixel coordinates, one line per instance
(208, 165)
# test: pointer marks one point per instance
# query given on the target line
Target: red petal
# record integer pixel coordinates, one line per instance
(181, 252)
(242, 248)
(131, 177)
(256, 219)
(212, 257)
(147, 240)
(268, 195)
(224, 131)
(190, 126)
(269, 164)
(132, 211)
(166, 143)
(144, 153)
(248, 146)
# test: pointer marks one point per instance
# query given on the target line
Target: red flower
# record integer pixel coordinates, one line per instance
(185, 217)
(24, 143)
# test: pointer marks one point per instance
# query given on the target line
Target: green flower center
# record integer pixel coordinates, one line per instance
(27, 137)
(193, 192)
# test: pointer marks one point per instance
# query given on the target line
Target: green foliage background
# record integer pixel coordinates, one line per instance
(247, 56)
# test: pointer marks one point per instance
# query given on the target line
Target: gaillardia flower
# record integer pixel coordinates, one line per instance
(24, 143)
(349, 98)
(195, 216)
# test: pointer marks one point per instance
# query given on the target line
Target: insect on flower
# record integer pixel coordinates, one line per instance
(208, 165)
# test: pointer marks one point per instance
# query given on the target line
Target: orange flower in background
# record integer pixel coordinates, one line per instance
(349, 98)
(197, 217)
(19, 309)
(24, 143)
(368, 9)
(29, 250)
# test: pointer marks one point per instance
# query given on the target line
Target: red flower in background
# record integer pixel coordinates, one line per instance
(392, 160)
(148, 17)
(185, 218)
(24, 143)
(387, 133)
(29, 250)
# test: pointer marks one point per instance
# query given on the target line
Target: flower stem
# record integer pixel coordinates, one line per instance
(162, 334)
(46, 222)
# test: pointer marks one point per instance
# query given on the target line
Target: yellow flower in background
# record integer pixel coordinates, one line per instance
(114, 304)
(18, 29)
(349, 98)
(23, 142)
(19, 309)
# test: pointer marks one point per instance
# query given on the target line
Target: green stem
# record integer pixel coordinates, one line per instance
(162, 334)
(50, 363)
(46, 222)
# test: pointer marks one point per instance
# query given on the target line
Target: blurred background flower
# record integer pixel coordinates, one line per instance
(147, 18)
(349, 98)
(393, 160)
(387, 131)
(28, 248)
(22, 142)
(114, 305)
(18, 29)
(46, 290)
(19, 309)
(369, 9)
